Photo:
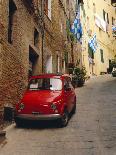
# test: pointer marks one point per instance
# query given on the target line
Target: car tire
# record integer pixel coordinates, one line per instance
(65, 119)
(18, 123)
(74, 108)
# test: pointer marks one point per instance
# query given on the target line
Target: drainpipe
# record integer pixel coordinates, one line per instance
(72, 53)
(42, 30)
(72, 45)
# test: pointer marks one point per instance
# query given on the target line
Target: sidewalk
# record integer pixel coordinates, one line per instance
(3, 125)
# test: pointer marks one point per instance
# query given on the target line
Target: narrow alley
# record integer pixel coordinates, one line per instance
(91, 131)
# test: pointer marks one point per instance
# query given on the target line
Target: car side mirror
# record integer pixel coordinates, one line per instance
(67, 88)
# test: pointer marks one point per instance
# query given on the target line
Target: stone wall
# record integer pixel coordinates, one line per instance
(56, 42)
(14, 58)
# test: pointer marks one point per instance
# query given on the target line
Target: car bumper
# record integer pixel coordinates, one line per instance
(37, 117)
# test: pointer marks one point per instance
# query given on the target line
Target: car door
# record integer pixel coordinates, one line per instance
(69, 93)
(72, 94)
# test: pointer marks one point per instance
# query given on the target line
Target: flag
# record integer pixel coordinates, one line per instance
(114, 30)
(76, 27)
(93, 43)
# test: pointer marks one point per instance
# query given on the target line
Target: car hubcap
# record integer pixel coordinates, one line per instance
(65, 119)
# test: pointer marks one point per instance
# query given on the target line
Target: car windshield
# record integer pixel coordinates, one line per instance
(45, 84)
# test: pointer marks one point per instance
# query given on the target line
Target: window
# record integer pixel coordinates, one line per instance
(105, 16)
(102, 58)
(90, 52)
(33, 59)
(67, 5)
(88, 24)
(80, 1)
(113, 2)
(57, 63)
(12, 9)
(36, 38)
(45, 84)
(88, 3)
(66, 58)
(113, 21)
(94, 8)
(47, 8)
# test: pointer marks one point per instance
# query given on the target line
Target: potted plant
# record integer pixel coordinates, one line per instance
(78, 78)
(71, 68)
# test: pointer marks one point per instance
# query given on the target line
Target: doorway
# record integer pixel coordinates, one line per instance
(49, 64)
(33, 58)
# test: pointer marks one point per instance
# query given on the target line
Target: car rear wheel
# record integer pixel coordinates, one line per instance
(18, 123)
(64, 119)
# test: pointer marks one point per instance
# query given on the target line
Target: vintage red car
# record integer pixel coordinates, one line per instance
(48, 97)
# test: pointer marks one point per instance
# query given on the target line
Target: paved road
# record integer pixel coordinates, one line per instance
(91, 131)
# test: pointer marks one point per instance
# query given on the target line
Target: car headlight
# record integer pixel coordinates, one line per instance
(21, 106)
(53, 106)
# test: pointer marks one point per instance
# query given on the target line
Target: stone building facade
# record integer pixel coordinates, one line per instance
(98, 18)
(33, 40)
(20, 49)
(57, 45)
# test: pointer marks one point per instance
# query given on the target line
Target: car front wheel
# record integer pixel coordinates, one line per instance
(64, 119)
(74, 108)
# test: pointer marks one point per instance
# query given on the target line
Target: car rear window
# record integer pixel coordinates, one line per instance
(45, 84)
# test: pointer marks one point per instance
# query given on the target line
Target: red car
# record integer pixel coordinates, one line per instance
(48, 97)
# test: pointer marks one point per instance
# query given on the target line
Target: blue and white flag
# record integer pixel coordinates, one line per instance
(93, 43)
(114, 28)
(76, 28)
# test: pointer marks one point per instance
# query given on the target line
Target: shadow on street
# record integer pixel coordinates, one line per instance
(41, 124)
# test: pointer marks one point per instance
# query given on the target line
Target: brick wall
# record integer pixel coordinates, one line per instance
(14, 58)
(56, 42)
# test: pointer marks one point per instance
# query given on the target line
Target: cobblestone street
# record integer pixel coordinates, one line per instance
(91, 131)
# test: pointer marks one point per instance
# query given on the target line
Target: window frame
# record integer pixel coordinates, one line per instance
(102, 55)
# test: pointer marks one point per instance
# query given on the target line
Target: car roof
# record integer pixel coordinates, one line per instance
(49, 75)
